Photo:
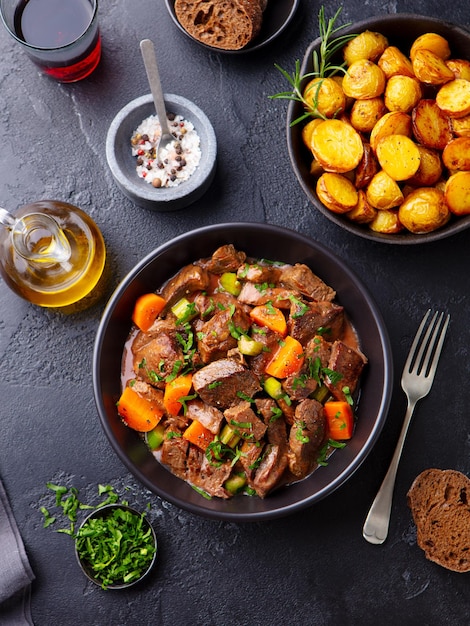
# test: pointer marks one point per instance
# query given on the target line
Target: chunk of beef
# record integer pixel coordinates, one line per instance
(209, 305)
(225, 259)
(155, 396)
(220, 382)
(215, 336)
(287, 408)
(157, 353)
(256, 273)
(267, 408)
(347, 363)
(306, 320)
(174, 454)
(306, 437)
(211, 478)
(176, 423)
(193, 463)
(255, 295)
(299, 386)
(250, 453)
(244, 421)
(188, 280)
(318, 348)
(209, 416)
(270, 470)
(276, 432)
(301, 278)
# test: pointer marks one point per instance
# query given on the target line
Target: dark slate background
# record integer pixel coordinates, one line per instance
(314, 567)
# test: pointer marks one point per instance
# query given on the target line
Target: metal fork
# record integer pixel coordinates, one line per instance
(416, 381)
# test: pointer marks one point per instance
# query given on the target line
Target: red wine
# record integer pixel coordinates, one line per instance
(59, 37)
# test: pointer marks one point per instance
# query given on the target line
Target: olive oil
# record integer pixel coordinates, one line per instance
(56, 262)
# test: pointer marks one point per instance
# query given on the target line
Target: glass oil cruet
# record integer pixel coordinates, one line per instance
(52, 254)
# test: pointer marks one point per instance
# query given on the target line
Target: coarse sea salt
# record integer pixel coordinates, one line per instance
(177, 161)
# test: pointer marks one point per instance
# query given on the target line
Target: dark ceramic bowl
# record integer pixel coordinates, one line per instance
(400, 30)
(123, 165)
(259, 241)
(276, 18)
(103, 512)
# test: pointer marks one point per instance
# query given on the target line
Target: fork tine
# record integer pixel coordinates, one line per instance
(412, 353)
(425, 350)
(433, 365)
(426, 347)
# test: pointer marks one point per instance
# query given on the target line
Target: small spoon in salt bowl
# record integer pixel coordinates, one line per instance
(153, 76)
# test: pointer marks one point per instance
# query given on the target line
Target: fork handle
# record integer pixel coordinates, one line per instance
(375, 528)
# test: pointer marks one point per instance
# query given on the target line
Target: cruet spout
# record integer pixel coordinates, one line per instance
(6, 218)
(38, 237)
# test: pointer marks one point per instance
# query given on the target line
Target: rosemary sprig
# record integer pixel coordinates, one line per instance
(322, 65)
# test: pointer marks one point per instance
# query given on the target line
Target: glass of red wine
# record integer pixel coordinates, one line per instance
(62, 38)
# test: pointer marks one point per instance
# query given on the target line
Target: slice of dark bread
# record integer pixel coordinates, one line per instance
(225, 24)
(440, 504)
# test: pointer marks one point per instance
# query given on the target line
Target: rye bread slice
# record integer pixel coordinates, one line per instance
(440, 504)
(224, 24)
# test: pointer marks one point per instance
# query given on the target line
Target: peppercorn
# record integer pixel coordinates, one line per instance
(156, 182)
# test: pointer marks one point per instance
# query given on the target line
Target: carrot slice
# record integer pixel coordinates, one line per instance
(340, 420)
(176, 389)
(198, 434)
(138, 412)
(146, 309)
(271, 317)
(287, 360)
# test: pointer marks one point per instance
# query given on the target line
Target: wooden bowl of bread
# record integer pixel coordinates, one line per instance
(232, 26)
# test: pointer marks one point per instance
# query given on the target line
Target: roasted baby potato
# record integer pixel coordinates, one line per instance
(429, 171)
(364, 79)
(430, 68)
(460, 68)
(367, 168)
(393, 62)
(402, 93)
(461, 126)
(399, 156)
(424, 210)
(454, 98)
(365, 113)
(386, 222)
(325, 97)
(336, 146)
(433, 42)
(456, 155)
(431, 126)
(307, 131)
(336, 192)
(383, 192)
(363, 212)
(457, 193)
(367, 45)
(392, 123)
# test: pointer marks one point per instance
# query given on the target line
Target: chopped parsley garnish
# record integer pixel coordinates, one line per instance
(116, 547)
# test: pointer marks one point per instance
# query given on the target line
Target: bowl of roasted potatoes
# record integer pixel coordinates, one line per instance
(378, 126)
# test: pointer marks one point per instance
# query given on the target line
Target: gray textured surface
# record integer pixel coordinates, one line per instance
(313, 567)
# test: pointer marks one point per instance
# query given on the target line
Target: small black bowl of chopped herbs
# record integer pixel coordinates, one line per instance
(116, 546)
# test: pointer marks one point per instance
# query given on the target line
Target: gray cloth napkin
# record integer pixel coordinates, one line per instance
(16, 574)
